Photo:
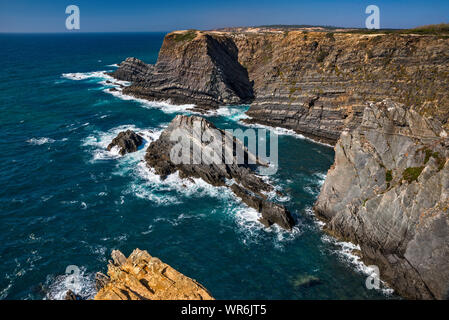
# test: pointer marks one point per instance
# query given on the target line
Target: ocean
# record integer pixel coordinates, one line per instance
(66, 201)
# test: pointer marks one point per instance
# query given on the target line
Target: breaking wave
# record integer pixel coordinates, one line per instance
(81, 283)
(40, 141)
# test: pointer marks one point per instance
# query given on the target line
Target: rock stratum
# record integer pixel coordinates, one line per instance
(143, 277)
(213, 167)
(388, 191)
(315, 83)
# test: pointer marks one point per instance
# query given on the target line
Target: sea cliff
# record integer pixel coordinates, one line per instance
(315, 83)
(388, 191)
(388, 188)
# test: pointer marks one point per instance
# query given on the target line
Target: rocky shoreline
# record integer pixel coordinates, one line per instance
(387, 190)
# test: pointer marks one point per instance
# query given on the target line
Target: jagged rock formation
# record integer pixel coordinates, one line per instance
(127, 141)
(143, 277)
(132, 69)
(315, 83)
(388, 191)
(213, 167)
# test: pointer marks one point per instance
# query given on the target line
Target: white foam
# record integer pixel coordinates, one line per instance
(346, 254)
(109, 82)
(234, 113)
(195, 187)
(252, 229)
(284, 132)
(83, 285)
(165, 106)
(247, 219)
(86, 75)
(40, 141)
(99, 141)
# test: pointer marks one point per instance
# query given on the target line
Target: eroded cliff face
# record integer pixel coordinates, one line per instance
(315, 83)
(192, 67)
(388, 191)
(143, 277)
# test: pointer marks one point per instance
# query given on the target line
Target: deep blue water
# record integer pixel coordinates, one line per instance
(65, 201)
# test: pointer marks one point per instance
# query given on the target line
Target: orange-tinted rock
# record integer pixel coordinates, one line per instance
(143, 277)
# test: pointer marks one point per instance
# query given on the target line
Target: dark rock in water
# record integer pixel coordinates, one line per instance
(113, 89)
(388, 192)
(101, 280)
(245, 183)
(128, 141)
(70, 295)
(272, 213)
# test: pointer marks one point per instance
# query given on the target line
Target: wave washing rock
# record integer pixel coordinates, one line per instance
(315, 83)
(132, 69)
(127, 141)
(143, 277)
(388, 191)
(199, 132)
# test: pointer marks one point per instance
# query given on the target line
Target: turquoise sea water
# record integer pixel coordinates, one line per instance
(64, 200)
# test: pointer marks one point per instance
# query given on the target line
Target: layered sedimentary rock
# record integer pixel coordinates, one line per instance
(388, 191)
(126, 141)
(315, 83)
(192, 67)
(212, 154)
(143, 277)
(132, 69)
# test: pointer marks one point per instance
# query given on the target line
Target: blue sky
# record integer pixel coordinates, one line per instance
(166, 15)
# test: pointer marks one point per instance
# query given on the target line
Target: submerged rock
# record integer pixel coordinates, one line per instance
(202, 164)
(306, 281)
(128, 141)
(143, 277)
(388, 191)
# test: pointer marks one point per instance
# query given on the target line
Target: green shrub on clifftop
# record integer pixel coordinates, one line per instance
(187, 36)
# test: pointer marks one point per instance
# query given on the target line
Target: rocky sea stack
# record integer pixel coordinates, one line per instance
(126, 141)
(143, 277)
(240, 177)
